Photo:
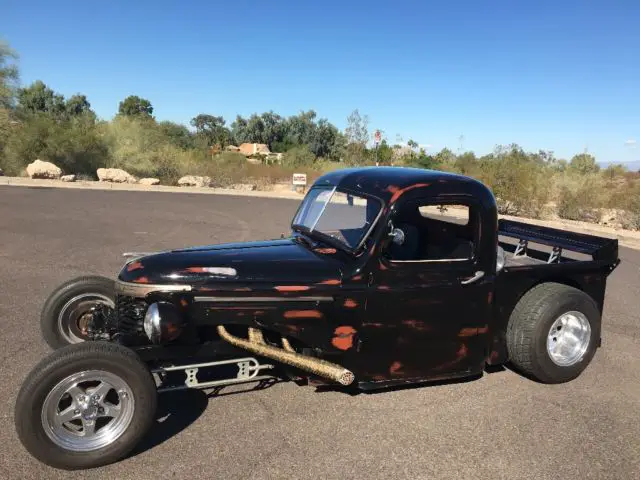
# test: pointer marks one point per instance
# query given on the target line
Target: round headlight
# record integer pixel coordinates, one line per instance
(162, 322)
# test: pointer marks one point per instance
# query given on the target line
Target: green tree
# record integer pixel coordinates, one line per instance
(357, 136)
(445, 157)
(134, 106)
(584, 163)
(78, 105)
(211, 130)
(39, 98)
(176, 134)
(8, 75)
(412, 144)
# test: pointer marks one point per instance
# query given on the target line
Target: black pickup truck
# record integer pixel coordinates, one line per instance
(389, 276)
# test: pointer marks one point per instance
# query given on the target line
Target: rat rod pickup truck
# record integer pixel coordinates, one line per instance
(389, 276)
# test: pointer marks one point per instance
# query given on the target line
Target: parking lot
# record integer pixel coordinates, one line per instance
(499, 426)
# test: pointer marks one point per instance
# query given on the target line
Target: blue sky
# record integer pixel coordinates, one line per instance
(554, 75)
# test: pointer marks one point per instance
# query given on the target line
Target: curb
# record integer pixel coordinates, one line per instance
(626, 238)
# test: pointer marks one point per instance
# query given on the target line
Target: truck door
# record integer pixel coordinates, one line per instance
(430, 294)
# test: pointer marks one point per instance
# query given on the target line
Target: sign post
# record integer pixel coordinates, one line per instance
(299, 182)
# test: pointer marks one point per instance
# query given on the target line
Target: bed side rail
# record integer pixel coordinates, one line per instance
(600, 248)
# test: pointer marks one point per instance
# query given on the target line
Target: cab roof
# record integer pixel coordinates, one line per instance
(388, 183)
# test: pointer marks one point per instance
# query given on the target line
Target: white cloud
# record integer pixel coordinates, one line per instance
(631, 142)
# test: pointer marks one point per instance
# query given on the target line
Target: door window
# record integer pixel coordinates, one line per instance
(433, 232)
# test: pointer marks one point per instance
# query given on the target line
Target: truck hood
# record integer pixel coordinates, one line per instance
(276, 261)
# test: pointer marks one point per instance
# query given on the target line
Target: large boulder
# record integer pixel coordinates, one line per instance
(149, 181)
(68, 178)
(40, 169)
(194, 181)
(115, 175)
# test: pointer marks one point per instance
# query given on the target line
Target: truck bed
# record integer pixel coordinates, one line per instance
(526, 244)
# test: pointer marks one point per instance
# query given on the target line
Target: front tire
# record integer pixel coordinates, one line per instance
(85, 406)
(64, 314)
(553, 333)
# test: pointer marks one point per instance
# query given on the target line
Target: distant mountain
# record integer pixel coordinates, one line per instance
(632, 166)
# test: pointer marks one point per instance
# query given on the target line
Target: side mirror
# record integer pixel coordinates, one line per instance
(397, 236)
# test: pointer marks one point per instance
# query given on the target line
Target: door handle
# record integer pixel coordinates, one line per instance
(477, 276)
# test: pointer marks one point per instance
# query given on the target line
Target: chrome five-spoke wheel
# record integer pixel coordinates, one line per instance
(87, 410)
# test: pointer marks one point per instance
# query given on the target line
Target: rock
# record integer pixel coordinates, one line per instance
(115, 175)
(68, 178)
(1, 172)
(245, 187)
(194, 181)
(40, 169)
(149, 181)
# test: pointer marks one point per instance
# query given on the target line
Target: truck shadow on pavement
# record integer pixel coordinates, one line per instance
(178, 409)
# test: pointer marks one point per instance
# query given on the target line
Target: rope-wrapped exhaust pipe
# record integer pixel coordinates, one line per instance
(317, 366)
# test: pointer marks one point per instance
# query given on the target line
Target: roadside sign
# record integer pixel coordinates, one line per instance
(300, 179)
(378, 136)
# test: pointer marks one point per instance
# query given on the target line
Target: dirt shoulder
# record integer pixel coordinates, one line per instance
(627, 238)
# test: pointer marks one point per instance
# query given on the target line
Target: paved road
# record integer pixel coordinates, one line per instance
(499, 426)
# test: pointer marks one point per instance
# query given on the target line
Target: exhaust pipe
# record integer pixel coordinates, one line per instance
(256, 345)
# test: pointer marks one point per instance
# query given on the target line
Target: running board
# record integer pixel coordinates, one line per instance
(248, 370)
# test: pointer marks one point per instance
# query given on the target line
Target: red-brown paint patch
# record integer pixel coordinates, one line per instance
(384, 287)
(142, 280)
(382, 266)
(332, 281)
(494, 356)
(395, 367)
(207, 289)
(343, 339)
(356, 278)
(468, 332)
(183, 302)
(326, 251)
(137, 265)
(489, 298)
(350, 303)
(242, 289)
(462, 351)
(303, 314)
(483, 330)
(292, 288)
(194, 269)
(397, 192)
(416, 325)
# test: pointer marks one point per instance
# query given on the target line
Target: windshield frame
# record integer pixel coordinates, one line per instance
(328, 238)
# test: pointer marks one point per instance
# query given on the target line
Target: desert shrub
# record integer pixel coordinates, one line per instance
(519, 185)
(580, 197)
(630, 218)
(75, 145)
(299, 156)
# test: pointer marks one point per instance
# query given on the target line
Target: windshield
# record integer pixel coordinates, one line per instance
(342, 216)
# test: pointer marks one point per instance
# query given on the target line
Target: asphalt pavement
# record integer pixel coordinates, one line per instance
(500, 426)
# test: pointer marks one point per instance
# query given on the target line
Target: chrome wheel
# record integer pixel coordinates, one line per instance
(87, 410)
(568, 338)
(75, 315)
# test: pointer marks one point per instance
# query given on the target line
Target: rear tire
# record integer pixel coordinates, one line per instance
(89, 386)
(537, 344)
(61, 316)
